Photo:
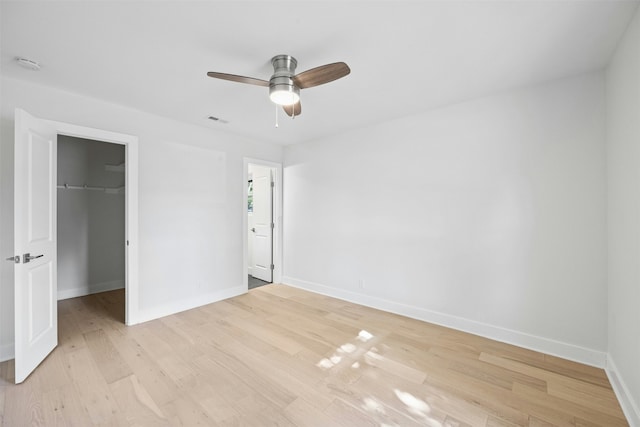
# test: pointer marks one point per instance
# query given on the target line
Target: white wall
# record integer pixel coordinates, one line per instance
(623, 173)
(487, 216)
(190, 199)
(91, 224)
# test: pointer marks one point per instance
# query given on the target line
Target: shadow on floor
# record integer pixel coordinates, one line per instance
(256, 283)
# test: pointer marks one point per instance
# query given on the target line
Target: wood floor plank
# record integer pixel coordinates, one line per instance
(270, 390)
(23, 404)
(62, 407)
(569, 409)
(211, 399)
(136, 404)
(69, 335)
(2, 398)
(374, 358)
(52, 373)
(493, 400)
(279, 371)
(302, 413)
(97, 399)
(421, 403)
(270, 334)
(282, 356)
(283, 304)
(597, 399)
(268, 417)
(198, 335)
(494, 421)
(348, 415)
(476, 368)
(181, 345)
(537, 422)
(183, 412)
(176, 368)
(6, 382)
(450, 421)
(316, 330)
(156, 382)
(226, 332)
(586, 394)
(106, 357)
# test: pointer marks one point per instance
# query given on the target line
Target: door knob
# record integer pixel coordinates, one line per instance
(27, 257)
(15, 259)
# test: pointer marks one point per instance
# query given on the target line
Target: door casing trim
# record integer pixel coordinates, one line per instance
(277, 219)
(131, 204)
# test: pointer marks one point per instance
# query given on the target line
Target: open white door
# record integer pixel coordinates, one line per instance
(262, 223)
(36, 314)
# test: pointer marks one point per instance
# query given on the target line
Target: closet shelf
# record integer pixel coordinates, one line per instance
(108, 190)
(114, 168)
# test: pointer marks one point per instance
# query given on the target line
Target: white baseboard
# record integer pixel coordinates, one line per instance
(520, 339)
(90, 289)
(7, 352)
(629, 406)
(187, 304)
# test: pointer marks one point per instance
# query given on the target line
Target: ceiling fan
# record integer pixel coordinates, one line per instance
(284, 85)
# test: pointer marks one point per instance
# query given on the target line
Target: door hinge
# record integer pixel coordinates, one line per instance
(273, 184)
(273, 225)
(272, 266)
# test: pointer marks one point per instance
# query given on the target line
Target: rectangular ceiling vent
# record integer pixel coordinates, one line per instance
(218, 119)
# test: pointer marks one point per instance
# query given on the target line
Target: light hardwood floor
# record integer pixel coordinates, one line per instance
(282, 356)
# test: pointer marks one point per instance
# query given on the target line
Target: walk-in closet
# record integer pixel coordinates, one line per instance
(90, 217)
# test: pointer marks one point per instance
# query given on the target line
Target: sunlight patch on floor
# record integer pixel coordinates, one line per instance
(342, 351)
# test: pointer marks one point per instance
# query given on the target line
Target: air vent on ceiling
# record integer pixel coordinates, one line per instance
(217, 119)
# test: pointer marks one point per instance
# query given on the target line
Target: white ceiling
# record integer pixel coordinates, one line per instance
(405, 57)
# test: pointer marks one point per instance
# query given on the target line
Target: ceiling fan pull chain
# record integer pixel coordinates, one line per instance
(276, 115)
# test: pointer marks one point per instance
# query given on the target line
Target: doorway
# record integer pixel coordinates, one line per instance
(90, 217)
(262, 219)
(260, 223)
(130, 166)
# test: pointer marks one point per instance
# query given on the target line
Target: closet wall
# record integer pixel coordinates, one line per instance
(91, 224)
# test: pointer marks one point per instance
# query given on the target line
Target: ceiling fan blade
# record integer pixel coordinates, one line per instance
(239, 79)
(293, 110)
(321, 75)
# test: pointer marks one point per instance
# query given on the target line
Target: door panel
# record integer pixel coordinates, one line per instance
(262, 230)
(40, 194)
(36, 315)
(40, 313)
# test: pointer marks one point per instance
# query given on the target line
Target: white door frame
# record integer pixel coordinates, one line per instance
(277, 219)
(131, 204)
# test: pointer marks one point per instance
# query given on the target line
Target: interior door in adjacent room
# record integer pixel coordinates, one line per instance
(262, 229)
(35, 260)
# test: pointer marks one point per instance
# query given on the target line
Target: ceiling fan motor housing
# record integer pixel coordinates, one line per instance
(282, 90)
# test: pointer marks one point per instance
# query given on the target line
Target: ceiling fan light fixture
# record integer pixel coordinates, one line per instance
(284, 85)
(284, 94)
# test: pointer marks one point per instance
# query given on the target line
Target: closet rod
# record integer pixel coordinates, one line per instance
(86, 187)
